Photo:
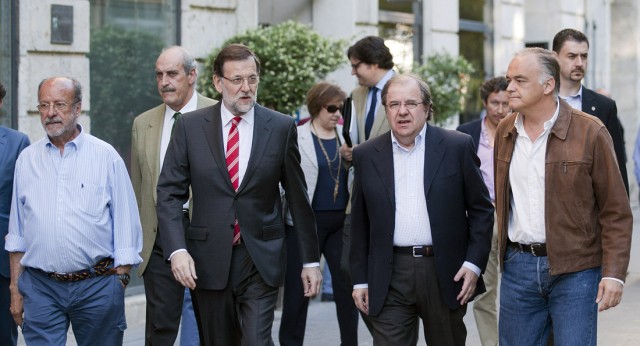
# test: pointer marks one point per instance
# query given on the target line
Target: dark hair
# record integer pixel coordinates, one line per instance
(549, 66)
(493, 85)
(565, 35)
(425, 91)
(233, 52)
(320, 95)
(371, 50)
(77, 88)
(3, 92)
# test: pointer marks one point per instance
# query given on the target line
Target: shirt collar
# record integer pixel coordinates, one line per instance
(547, 124)
(191, 106)
(76, 142)
(384, 79)
(417, 142)
(226, 115)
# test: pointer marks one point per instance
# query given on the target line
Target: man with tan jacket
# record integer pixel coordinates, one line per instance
(564, 220)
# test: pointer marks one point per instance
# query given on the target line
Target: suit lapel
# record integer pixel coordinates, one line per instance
(588, 102)
(384, 167)
(213, 133)
(152, 146)
(261, 134)
(433, 154)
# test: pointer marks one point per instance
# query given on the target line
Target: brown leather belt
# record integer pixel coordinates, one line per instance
(415, 251)
(100, 269)
(537, 249)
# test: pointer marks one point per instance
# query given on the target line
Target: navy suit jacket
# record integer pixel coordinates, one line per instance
(195, 159)
(473, 129)
(458, 202)
(11, 144)
(605, 109)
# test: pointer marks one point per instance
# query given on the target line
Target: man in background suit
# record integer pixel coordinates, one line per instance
(233, 156)
(571, 47)
(11, 144)
(483, 131)
(421, 218)
(176, 75)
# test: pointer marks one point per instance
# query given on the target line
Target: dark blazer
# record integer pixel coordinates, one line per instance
(473, 129)
(195, 158)
(460, 212)
(11, 144)
(605, 109)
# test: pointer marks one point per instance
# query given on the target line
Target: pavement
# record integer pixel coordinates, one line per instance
(616, 327)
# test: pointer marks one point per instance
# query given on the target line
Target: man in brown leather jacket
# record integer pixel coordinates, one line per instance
(564, 219)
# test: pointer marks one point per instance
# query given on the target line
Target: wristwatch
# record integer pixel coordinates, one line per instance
(124, 278)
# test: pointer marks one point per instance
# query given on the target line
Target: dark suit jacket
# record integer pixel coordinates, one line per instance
(473, 129)
(195, 158)
(460, 212)
(11, 144)
(605, 109)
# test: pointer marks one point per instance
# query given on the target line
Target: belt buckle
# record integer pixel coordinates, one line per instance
(414, 251)
(533, 249)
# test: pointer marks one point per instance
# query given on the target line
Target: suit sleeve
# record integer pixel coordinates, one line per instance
(617, 135)
(173, 191)
(136, 175)
(479, 208)
(359, 244)
(295, 189)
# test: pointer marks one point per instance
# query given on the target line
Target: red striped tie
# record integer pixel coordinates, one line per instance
(232, 157)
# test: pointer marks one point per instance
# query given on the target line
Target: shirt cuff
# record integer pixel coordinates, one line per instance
(472, 267)
(15, 243)
(360, 286)
(614, 279)
(127, 256)
(175, 252)
(311, 265)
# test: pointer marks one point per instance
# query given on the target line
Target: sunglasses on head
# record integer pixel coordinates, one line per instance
(333, 108)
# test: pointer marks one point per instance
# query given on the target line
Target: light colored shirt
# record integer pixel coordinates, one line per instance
(167, 123)
(245, 131)
(167, 126)
(379, 87)
(485, 154)
(526, 176)
(575, 101)
(69, 211)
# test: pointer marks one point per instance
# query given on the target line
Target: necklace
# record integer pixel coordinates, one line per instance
(336, 178)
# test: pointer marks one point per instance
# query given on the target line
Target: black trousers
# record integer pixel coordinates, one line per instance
(164, 299)
(295, 305)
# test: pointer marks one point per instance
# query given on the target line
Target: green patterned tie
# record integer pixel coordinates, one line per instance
(176, 116)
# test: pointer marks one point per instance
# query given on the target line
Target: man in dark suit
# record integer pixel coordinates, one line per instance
(421, 223)
(571, 47)
(176, 74)
(11, 144)
(233, 156)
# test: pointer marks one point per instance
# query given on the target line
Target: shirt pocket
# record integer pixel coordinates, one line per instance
(91, 199)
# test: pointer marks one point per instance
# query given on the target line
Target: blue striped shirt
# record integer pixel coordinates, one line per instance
(68, 211)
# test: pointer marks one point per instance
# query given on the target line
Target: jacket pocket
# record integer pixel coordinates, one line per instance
(273, 232)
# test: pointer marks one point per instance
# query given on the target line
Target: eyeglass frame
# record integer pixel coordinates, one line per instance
(56, 105)
(243, 79)
(396, 105)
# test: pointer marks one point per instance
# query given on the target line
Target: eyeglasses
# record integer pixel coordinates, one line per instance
(59, 106)
(355, 66)
(238, 81)
(409, 105)
(333, 108)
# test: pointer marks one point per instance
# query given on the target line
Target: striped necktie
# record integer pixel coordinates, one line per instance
(232, 158)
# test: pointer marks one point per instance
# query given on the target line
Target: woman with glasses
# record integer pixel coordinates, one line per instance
(319, 141)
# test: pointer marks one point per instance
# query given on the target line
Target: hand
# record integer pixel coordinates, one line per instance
(346, 152)
(183, 269)
(361, 298)
(17, 307)
(468, 286)
(609, 294)
(311, 281)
